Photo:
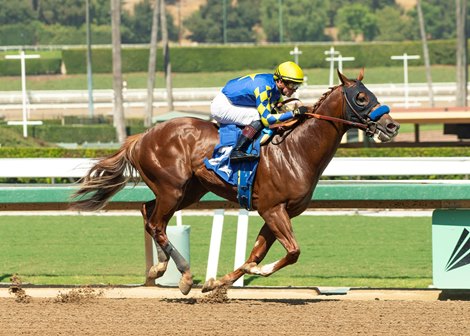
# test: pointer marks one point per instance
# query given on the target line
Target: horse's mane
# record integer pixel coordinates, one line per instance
(291, 124)
(322, 98)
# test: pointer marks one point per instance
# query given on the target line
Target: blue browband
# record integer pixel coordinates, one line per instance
(379, 112)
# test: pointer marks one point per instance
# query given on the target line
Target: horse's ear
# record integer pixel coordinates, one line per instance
(344, 80)
(360, 77)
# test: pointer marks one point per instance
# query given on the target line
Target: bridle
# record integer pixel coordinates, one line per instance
(369, 124)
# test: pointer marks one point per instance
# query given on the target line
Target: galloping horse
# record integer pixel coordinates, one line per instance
(170, 159)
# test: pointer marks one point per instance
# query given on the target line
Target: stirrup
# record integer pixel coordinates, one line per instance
(237, 156)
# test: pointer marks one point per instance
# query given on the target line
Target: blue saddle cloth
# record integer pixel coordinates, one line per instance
(241, 174)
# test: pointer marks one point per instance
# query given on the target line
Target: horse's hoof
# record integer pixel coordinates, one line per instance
(152, 274)
(156, 271)
(186, 283)
(208, 285)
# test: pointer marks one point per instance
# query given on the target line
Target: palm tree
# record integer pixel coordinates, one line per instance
(152, 65)
(166, 57)
(118, 110)
(462, 73)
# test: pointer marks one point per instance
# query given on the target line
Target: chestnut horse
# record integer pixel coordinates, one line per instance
(170, 159)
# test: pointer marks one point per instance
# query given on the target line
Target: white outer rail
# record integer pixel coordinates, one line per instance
(354, 167)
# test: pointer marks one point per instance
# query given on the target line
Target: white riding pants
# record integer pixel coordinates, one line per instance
(224, 112)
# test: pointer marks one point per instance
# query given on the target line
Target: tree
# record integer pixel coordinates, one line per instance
(65, 12)
(427, 62)
(100, 12)
(302, 20)
(373, 5)
(440, 25)
(152, 65)
(206, 24)
(356, 21)
(462, 66)
(16, 12)
(394, 25)
(166, 57)
(139, 24)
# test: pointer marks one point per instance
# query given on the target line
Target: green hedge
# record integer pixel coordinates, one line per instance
(19, 152)
(18, 34)
(79, 134)
(229, 58)
(404, 152)
(35, 66)
(37, 33)
(52, 152)
(73, 133)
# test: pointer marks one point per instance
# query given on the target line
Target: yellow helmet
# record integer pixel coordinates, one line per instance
(289, 71)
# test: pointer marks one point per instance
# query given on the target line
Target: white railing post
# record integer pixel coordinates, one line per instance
(214, 247)
(240, 247)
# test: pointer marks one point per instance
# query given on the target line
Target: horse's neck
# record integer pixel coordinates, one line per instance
(330, 131)
(319, 139)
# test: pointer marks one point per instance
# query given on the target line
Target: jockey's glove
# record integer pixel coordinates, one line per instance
(300, 110)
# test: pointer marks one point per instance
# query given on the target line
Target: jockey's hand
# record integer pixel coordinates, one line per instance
(300, 110)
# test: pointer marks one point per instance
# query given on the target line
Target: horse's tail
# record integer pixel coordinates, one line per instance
(106, 178)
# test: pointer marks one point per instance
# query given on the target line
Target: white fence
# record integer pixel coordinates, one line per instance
(352, 167)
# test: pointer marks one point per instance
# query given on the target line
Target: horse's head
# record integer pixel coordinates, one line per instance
(363, 108)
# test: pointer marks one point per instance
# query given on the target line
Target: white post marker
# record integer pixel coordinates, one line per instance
(296, 53)
(340, 60)
(22, 57)
(331, 53)
(405, 57)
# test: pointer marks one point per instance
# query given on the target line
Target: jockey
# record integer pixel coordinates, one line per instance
(248, 101)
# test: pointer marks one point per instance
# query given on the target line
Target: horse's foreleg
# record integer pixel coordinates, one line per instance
(156, 271)
(263, 243)
(279, 223)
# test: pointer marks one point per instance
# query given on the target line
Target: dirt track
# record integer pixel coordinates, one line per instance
(366, 313)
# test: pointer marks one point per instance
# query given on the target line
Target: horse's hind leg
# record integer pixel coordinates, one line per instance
(156, 271)
(165, 206)
(263, 243)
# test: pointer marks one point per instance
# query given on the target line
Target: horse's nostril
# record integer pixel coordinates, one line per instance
(392, 126)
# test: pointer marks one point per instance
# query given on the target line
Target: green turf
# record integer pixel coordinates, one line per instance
(377, 75)
(335, 250)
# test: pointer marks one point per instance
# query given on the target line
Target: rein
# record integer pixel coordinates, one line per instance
(369, 127)
(363, 126)
(344, 121)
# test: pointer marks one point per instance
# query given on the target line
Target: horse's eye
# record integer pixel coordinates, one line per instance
(361, 99)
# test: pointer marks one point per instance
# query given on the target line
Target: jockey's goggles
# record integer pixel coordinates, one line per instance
(291, 85)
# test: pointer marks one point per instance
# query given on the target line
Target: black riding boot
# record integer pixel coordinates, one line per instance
(246, 138)
(238, 153)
